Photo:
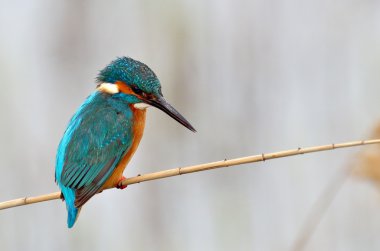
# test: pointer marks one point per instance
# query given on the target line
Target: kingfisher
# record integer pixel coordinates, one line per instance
(105, 131)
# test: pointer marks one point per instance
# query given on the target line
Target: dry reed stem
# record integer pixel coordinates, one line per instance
(198, 168)
(364, 165)
(367, 164)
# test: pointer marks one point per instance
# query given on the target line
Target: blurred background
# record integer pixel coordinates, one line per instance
(251, 76)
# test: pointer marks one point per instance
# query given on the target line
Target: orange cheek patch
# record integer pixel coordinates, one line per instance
(124, 88)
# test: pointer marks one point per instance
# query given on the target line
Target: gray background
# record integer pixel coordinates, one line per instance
(252, 77)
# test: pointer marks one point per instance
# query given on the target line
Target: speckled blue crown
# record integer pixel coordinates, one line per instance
(131, 72)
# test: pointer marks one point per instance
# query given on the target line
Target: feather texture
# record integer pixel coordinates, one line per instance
(97, 138)
(104, 133)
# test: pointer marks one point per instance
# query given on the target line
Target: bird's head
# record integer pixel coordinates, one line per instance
(138, 84)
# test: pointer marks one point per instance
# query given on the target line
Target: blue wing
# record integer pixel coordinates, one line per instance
(96, 139)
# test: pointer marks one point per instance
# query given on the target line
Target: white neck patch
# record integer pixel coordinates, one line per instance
(108, 88)
(141, 106)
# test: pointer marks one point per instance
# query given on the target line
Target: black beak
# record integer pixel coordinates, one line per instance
(163, 105)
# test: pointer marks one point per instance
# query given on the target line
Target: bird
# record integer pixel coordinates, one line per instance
(105, 131)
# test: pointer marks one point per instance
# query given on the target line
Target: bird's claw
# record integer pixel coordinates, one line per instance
(120, 183)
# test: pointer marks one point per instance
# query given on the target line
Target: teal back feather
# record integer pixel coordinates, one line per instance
(68, 193)
(97, 137)
(72, 211)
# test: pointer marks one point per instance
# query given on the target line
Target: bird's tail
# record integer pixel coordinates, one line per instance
(72, 211)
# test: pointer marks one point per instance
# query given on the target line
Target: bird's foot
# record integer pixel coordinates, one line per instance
(120, 183)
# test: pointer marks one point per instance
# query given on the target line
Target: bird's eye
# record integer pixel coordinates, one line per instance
(136, 90)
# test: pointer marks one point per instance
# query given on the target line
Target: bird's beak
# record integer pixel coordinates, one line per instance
(163, 105)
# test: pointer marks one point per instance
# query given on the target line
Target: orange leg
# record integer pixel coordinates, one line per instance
(119, 183)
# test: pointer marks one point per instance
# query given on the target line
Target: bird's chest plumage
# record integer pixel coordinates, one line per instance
(138, 124)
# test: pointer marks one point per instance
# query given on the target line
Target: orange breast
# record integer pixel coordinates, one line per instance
(138, 130)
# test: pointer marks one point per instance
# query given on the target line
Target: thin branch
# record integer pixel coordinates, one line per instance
(198, 168)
